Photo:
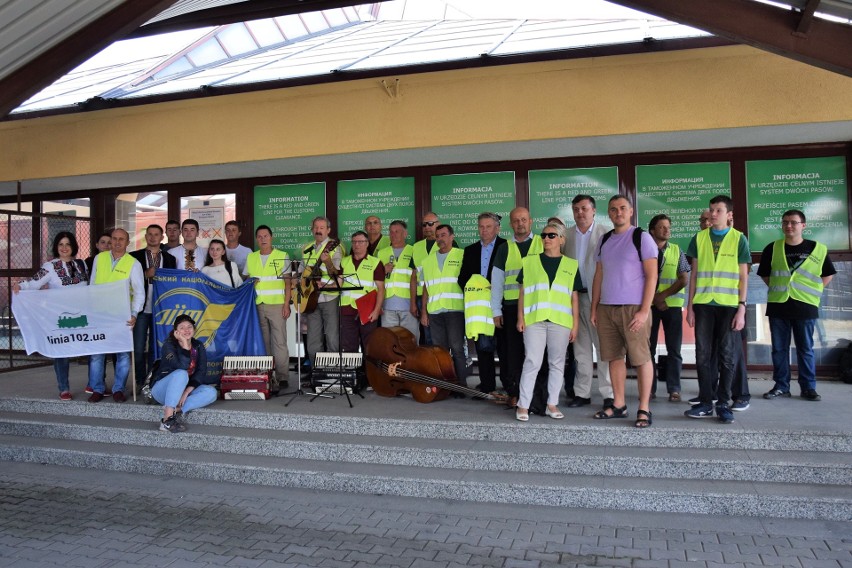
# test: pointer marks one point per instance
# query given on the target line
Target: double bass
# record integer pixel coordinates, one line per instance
(396, 364)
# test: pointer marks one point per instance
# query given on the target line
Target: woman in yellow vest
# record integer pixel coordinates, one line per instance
(547, 303)
(360, 270)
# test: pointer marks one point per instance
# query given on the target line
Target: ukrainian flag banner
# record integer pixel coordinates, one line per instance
(225, 318)
(75, 320)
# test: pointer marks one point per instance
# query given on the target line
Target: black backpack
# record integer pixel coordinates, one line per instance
(637, 241)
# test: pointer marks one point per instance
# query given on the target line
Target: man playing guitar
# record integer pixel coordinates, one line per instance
(322, 261)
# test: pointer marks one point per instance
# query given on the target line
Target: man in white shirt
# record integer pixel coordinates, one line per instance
(581, 244)
(189, 255)
(236, 252)
(111, 266)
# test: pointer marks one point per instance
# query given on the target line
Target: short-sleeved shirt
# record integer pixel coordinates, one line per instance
(796, 254)
(623, 272)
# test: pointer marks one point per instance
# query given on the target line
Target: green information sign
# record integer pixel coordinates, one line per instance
(459, 199)
(551, 192)
(816, 186)
(388, 199)
(289, 209)
(681, 191)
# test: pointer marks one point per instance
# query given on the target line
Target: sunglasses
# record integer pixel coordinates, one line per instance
(427, 223)
(549, 235)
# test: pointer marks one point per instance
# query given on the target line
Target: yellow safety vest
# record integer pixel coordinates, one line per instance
(384, 242)
(443, 285)
(398, 282)
(544, 301)
(419, 254)
(105, 272)
(668, 276)
(718, 278)
(514, 262)
(365, 277)
(311, 258)
(478, 317)
(269, 287)
(804, 283)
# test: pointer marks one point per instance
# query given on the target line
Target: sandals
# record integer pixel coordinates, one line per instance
(522, 416)
(643, 418)
(616, 413)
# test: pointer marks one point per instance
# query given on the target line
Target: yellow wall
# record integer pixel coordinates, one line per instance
(663, 92)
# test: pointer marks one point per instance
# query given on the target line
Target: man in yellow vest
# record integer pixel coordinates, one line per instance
(667, 308)
(443, 300)
(323, 323)
(112, 266)
(504, 298)
(421, 250)
(479, 260)
(268, 264)
(400, 307)
(717, 307)
(378, 241)
(366, 271)
(796, 270)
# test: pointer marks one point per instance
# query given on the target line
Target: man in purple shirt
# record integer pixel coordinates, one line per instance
(622, 293)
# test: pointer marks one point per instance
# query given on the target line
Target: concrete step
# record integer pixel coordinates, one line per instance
(819, 468)
(608, 433)
(766, 499)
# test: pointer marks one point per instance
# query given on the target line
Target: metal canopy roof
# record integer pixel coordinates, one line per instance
(41, 40)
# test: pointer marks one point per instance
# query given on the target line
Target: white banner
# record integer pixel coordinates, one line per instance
(75, 320)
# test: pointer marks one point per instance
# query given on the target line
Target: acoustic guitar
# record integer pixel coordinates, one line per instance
(310, 280)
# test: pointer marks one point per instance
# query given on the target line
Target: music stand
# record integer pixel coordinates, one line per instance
(341, 380)
(294, 274)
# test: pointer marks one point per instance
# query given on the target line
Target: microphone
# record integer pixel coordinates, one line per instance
(308, 249)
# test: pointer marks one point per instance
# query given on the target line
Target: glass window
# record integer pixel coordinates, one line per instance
(135, 211)
(211, 212)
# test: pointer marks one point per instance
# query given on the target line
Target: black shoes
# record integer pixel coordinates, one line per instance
(809, 394)
(578, 401)
(778, 393)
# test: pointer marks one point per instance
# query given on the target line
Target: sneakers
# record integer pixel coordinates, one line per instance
(96, 397)
(696, 401)
(180, 418)
(724, 413)
(740, 405)
(777, 393)
(172, 425)
(809, 394)
(118, 396)
(700, 411)
(65, 395)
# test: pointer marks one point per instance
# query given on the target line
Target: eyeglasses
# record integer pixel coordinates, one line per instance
(549, 235)
(427, 223)
(790, 223)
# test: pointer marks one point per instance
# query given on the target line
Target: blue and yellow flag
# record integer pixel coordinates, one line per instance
(225, 318)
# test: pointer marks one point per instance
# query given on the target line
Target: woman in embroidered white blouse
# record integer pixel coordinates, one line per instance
(63, 270)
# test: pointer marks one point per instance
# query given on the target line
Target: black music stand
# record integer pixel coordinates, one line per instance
(341, 380)
(296, 269)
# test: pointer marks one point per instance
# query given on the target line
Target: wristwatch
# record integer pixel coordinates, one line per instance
(744, 304)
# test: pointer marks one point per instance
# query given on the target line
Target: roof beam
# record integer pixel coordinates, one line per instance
(240, 12)
(29, 79)
(807, 18)
(827, 44)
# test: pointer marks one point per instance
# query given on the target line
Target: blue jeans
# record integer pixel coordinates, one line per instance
(60, 367)
(672, 322)
(143, 332)
(96, 372)
(169, 390)
(803, 334)
(715, 349)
